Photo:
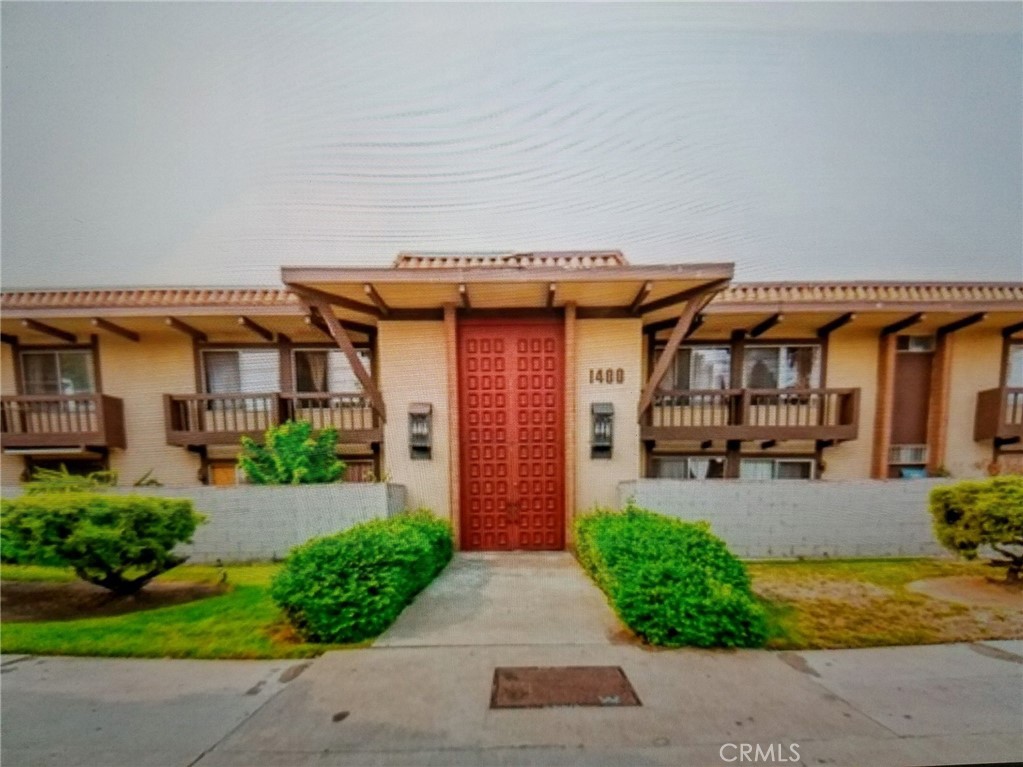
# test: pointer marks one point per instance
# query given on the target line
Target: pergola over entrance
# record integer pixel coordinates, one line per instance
(589, 284)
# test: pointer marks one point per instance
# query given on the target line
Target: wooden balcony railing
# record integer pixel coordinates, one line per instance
(61, 420)
(753, 414)
(999, 415)
(222, 419)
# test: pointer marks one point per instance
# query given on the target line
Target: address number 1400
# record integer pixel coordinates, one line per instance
(607, 375)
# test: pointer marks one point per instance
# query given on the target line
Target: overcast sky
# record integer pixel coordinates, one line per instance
(189, 144)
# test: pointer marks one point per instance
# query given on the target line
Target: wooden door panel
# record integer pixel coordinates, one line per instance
(512, 445)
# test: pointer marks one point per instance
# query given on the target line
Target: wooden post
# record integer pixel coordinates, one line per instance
(454, 442)
(345, 344)
(694, 305)
(570, 423)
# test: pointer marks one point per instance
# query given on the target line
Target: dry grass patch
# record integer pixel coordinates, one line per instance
(867, 603)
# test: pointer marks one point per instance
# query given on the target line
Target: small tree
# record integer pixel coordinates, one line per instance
(969, 515)
(120, 542)
(292, 455)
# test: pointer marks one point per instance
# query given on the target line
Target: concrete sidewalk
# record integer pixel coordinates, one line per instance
(944, 704)
(430, 706)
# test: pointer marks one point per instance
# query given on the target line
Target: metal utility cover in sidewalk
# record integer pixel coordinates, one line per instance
(545, 687)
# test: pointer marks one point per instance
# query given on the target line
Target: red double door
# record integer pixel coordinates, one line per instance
(512, 426)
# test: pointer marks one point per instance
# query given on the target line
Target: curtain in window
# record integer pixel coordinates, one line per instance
(311, 371)
(223, 372)
(760, 368)
(40, 373)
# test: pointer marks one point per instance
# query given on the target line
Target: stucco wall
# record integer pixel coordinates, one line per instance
(413, 367)
(852, 363)
(976, 366)
(603, 344)
(795, 518)
(249, 523)
(140, 374)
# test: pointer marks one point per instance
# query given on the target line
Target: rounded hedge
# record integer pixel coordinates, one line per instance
(120, 542)
(350, 586)
(673, 583)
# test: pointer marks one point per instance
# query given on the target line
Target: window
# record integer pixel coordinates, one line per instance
(241, 371)
(58, 372)
(688, 467)
(327, 370)
(782, 367)
(1014, 370)
(776, 468)
(698, 367)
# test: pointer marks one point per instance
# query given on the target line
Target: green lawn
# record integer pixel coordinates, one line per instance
(811, 604)
(865, 603)
(244, 623)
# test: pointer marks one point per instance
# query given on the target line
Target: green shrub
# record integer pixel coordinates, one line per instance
(988, 512)
(120, 542)
(292, 455)
(671, 582)
(62, 481)
(351, 586)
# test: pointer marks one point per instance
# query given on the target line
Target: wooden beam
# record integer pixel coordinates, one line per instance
(697, 323)
(552, 290)
(7, 338)
(762, 327)
(1012, 329)
(840, 321)
(768, 443)
(684, 295)
(902, 324)
(644, 291)
(376, 299)
(188, 330)
(463, 295)
(314, 319)
(668, 355)
(348, 348)
(117, 330)
(42, 327)
(256, 328)
(965, 322)
(314, 296)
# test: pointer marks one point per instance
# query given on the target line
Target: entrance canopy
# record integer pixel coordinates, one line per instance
(597, 283)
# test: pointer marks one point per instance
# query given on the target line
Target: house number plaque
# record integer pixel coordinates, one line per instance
(607, 375)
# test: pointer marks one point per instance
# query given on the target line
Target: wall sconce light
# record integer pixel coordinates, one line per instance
(602, 434)
(420, 431)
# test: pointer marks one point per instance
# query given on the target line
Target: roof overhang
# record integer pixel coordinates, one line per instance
(376, 294)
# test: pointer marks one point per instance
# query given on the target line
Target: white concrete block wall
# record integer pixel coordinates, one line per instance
(795, 518)
(250, 523)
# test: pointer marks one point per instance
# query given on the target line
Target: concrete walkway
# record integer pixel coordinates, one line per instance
(507, 599)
